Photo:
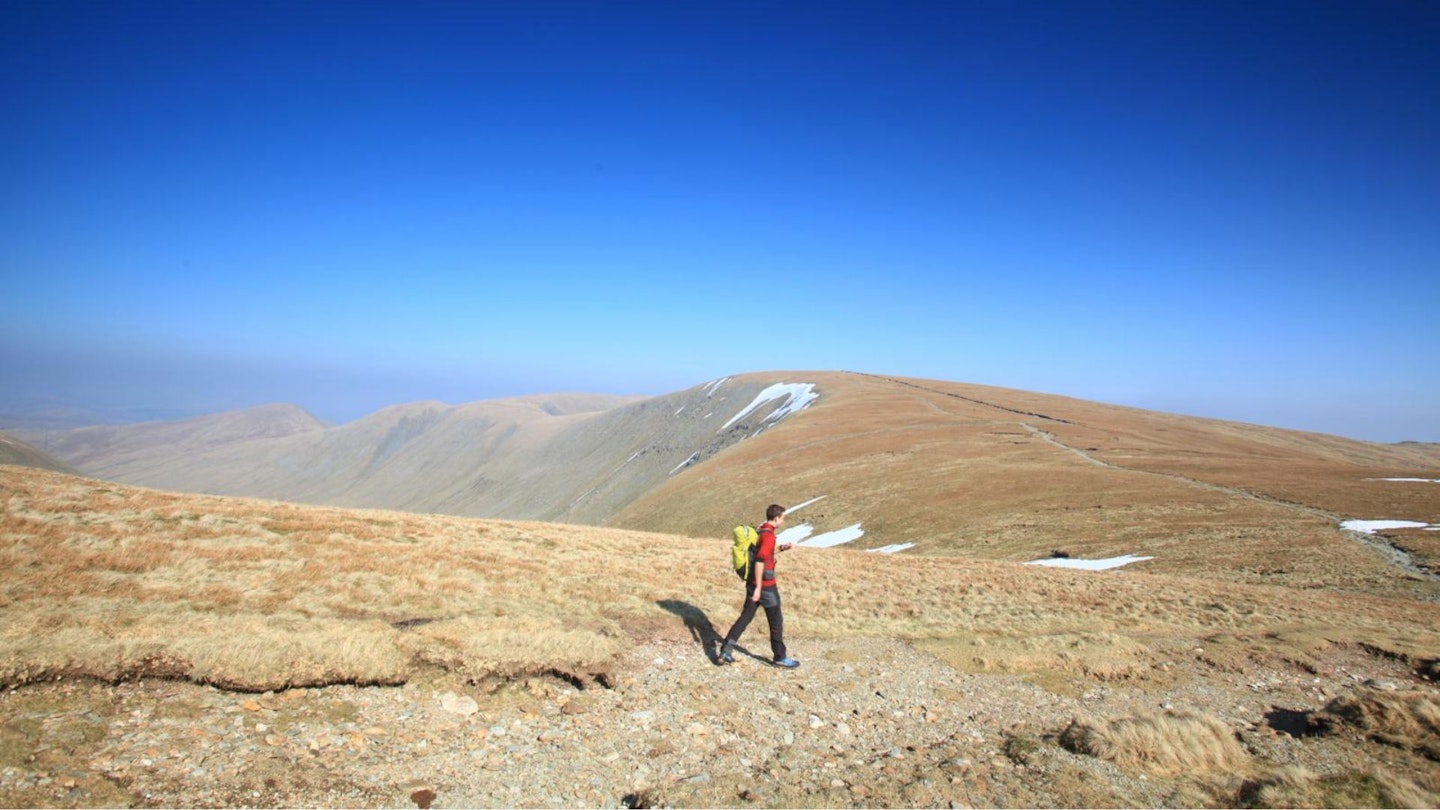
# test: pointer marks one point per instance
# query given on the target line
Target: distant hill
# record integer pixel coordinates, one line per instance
(17, 452)
(123, 452)
(928, 467)
(566, 457)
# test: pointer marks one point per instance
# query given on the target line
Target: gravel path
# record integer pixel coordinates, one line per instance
(871, 722)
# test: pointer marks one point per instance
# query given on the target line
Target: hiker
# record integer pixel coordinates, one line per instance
(761, 591)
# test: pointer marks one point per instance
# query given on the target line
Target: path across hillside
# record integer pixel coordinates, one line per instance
(867, 722)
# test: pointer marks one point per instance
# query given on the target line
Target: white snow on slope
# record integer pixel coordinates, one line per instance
(892, 548)
(799, 535)
(679, 410)
(1413, 480)
(692, 457)
(805, 504)
(1088, 565)
(835, 538)
(1372, 526)
(794, 534)
(798, 397)
(714, 386)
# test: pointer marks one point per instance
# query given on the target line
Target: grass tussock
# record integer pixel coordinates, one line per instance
(1407, 720)
(1299, 787)
(1170, 743)
(115, 582)
(489, 650)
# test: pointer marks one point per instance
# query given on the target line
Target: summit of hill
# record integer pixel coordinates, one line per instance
(922, 467)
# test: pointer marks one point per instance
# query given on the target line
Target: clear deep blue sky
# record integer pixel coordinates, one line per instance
(1223, 209)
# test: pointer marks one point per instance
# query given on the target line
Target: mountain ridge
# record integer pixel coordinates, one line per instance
(924, 466)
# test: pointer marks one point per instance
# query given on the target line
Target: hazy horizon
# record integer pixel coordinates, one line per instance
(1223, 209)
(344, 395)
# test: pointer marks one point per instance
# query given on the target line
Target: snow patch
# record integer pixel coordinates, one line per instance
(1088, 565)
(892, 548)
(798, 396)
(835, 538)
(1412, 480)
(678, 410)
(714, 385)
(800, 535)
(805, 504)
(686, 462)
(1372, 526)
(794, 534)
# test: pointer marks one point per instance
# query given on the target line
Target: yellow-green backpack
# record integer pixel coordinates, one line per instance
(743, 552)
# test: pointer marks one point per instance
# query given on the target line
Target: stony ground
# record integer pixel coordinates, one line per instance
(865, 723)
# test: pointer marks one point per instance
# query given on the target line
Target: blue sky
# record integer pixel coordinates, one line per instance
(1229, 210)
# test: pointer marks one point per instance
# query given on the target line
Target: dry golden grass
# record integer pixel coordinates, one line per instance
(114, 582)
(1408, 720)
(1169, 743)
(1422, 546)
(1298, 787)
(988, 473)
(1063, 663)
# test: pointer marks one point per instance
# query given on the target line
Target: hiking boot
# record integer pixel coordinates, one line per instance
(787, 662)
(727, 655)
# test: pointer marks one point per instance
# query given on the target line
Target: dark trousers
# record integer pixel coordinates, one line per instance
(770, 600)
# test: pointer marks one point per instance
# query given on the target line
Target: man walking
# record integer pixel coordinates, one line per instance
(761, 591)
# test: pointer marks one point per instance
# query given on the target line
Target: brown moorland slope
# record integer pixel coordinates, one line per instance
(112, 584)
(983, 472)
(955, 469)
(118, 582)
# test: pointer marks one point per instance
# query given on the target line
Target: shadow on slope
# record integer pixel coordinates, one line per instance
(698, 623)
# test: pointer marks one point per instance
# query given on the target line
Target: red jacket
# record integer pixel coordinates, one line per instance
(765, 554)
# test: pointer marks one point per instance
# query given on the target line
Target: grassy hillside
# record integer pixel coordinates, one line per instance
(988, 473)
(927, 680)
(954, 469)
(114, 582)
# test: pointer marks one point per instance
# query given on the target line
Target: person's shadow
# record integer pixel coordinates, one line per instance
(698, 624)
